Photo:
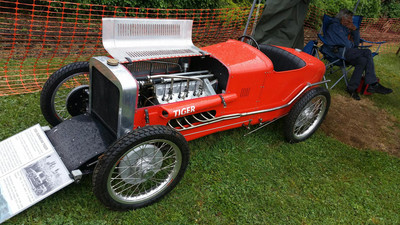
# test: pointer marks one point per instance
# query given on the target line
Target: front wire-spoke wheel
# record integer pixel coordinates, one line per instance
(140, 168)
(307, 115)
(144, 171)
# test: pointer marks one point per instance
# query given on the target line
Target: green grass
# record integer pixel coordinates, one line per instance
(257, 179)
(388, 71)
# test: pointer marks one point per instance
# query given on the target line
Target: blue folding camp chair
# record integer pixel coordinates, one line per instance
(333, 59)
(311, 48)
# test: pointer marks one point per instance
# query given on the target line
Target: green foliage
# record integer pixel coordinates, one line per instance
(367, 8)
(391, 8)
(171, 4)
(240, 3)
(158, 4)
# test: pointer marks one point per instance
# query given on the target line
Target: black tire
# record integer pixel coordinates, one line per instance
(307, 115)
(70, 80)
(155, 158)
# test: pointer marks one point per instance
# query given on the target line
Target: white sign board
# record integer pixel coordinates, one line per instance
(30, 170)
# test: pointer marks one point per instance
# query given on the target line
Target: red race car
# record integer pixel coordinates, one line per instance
(128, 118)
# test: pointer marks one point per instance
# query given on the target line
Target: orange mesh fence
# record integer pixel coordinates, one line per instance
(37, 37)
(371, 29)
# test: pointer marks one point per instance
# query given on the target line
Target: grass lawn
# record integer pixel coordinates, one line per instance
(257, 179)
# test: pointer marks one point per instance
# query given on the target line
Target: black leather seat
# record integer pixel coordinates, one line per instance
(281, 59)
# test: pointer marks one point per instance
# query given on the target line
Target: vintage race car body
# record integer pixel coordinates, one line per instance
(194, 91)
(255, 92)
(130, 124)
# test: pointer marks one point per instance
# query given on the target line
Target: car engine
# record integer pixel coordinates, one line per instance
(166, 81)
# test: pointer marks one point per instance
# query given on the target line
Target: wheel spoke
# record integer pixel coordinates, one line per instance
(167, 167)
(119, 173)
(131, 193)
(61, 93)
(118, 177)
(129, 187)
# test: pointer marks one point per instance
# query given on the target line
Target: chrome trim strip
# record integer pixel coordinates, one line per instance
(187, 121)
(128, 89)
(167, 79)
(174, 76)
(177, 121)
(238, 115)
(184, 74)
(290, 102)
(228, 125)
(262, 125)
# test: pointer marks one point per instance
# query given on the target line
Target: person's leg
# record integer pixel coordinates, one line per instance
(370, 76)
(362, 58)
(356, 58)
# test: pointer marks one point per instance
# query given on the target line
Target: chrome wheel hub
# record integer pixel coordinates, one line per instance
(140, 164)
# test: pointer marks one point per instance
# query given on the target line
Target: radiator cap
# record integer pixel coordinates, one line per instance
(112, 62)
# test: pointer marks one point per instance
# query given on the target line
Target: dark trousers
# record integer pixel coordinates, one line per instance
(362, 60)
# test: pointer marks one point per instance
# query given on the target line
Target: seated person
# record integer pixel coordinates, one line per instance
(337, 34)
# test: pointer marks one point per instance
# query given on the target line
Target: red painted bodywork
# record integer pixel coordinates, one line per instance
(253, 85)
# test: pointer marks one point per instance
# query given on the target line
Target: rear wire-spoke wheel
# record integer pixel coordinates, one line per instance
(66, 93)
(307, 115)
(140, 168)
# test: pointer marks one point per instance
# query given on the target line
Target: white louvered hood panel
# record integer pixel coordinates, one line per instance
(145, 39)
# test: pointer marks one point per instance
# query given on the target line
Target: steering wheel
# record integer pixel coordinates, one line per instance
(241, 38)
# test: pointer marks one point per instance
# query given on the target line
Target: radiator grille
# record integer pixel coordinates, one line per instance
(105, 100)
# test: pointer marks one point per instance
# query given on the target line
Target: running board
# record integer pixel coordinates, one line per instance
(79, 141)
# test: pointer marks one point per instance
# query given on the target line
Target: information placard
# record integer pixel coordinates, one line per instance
(30, 170)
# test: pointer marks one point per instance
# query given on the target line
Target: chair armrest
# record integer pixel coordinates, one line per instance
(372, 42)
(327, 51)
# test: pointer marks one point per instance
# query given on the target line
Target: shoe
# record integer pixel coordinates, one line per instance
(378, 88)
(354, 95)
